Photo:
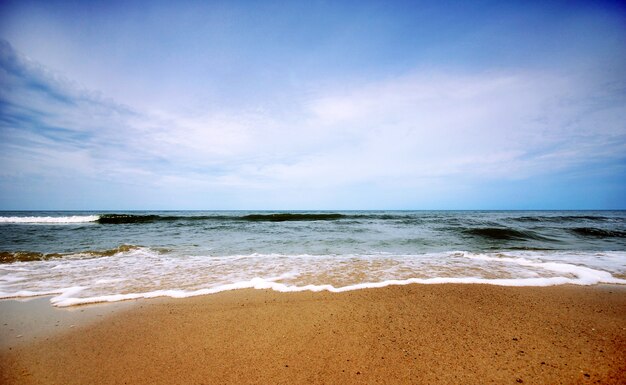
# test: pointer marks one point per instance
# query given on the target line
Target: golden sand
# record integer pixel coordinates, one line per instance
(415, 334)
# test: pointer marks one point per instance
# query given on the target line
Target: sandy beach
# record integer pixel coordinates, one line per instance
(414, 334)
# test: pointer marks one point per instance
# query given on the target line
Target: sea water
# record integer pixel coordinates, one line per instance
(85, 257)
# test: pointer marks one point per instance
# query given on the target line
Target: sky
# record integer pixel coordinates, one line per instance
(312, 105)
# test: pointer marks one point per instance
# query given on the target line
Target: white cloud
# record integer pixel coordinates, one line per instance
(490, 125)
(421, 129)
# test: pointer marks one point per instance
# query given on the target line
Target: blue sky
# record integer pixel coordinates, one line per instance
(312, 105)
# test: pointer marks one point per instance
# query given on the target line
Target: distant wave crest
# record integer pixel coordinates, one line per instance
(69, 219)
(598, 233)
(498, 233)
(282, 217)
(128, 218)
(277, 217)
(562, 218)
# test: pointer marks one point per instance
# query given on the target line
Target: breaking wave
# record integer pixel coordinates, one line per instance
(130, 272)
(51, 220)
(498, 233)
(598, 233)
(277, 217)
(562, 218)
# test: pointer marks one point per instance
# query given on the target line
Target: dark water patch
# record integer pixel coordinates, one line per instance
(127, 218)
(27, 256)
(280, 217)
(562, 218)
(413, 242)
(530, 248)
(385, 217)
(504, 234)
(284, 217)
(598, 233)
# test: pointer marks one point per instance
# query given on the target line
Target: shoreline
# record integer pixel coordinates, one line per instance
(441, 334)
(27, 320)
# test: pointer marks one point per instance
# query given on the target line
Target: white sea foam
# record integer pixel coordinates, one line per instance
(145, 273)
(259, 283)
(51, 220)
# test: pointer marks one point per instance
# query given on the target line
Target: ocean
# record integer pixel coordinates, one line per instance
(86, 257)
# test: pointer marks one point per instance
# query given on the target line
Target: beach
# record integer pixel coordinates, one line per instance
(312, 192)
(412, 334)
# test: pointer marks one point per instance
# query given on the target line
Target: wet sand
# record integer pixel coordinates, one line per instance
(415, 334)
(29, 320)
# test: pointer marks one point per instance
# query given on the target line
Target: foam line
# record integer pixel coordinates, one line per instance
(584, 277)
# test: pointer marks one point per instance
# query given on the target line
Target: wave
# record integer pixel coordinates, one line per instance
(28, 256)
(598, 233)
(292, 217)
(139, 272)
(271, 217)
(128, 218)
(491, 232)
(505, 234)
(278, 217)
(51, 220)
(566, 274)
(561, 218)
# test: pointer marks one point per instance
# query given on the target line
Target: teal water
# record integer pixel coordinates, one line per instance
(91, 256)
